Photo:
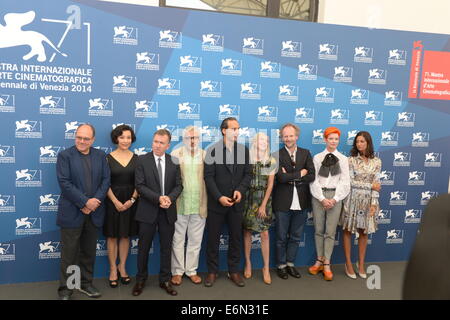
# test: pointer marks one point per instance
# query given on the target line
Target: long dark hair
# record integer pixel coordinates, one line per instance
(369, 150)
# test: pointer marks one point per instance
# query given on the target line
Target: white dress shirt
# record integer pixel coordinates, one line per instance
(295, 201)
(340, 182)
(163, 166)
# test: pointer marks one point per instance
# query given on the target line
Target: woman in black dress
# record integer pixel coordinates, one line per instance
(119, 223)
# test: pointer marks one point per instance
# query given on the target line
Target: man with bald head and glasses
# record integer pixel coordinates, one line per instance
(84, 178)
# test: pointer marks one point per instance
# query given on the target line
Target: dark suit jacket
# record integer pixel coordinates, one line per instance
(283, 191)
(222, 180)
(148, 187)
(427, 276)
(70, 174)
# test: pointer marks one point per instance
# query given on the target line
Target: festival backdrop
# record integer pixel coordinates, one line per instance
(63, 63)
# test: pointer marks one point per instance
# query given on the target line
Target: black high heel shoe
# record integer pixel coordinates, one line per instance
(124, 280)
(114, 283)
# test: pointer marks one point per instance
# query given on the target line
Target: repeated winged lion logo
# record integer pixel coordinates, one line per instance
(12, 35)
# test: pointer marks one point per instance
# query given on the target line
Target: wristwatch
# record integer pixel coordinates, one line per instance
(133, 200)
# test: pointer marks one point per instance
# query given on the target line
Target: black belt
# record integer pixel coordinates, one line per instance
(328, 189)
(295, 182)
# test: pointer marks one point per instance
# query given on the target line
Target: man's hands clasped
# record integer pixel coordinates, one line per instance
(91, 205)
(229, 202)
(164, 202)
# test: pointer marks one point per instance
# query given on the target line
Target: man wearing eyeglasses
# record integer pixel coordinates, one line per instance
(291, 198)
(84, 178)
(191, 208)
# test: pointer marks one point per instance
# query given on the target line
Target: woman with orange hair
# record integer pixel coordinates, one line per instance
(331, 186)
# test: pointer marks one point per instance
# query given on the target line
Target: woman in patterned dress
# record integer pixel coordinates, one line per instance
(361, 205)
(258, 214)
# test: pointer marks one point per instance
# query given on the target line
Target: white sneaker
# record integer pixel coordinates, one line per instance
(90, 291)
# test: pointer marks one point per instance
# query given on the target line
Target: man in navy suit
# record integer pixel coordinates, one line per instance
(84, 178)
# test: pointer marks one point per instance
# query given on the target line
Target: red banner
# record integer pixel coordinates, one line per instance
(415, 69)
(435, 81)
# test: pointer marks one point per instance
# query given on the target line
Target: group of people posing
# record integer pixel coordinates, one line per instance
(180, 194)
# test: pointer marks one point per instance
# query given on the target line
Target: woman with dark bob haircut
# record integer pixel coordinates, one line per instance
(361, 206)
(120, 204)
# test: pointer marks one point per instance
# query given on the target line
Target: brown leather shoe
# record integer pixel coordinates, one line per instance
(210, 279)
(237, 279)
(138, 288)
(168, 287)
(195, 279)
(176, 280)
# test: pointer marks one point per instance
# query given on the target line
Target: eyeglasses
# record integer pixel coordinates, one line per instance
(192, 138)
(83, 139)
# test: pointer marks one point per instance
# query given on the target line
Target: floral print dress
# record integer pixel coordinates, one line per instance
(355, 214)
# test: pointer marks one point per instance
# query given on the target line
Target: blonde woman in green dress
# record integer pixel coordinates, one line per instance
(258, 214)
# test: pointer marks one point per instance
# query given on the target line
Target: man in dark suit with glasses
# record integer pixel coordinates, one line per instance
(84, 178)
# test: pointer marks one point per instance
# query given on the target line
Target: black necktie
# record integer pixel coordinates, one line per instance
(160, 174)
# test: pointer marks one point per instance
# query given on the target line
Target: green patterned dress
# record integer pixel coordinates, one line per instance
(255, 196)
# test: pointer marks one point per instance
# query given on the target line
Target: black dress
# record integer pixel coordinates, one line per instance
(121, 224)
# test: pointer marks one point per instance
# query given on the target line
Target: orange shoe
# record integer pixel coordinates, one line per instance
(327, 275)
(316, 269)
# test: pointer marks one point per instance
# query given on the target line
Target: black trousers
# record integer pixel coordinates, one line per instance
(146, 234)
(78, 247)
(214, 223)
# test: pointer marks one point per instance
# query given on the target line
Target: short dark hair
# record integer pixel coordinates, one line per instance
(163, 132)
(89, 125)
(369, 150)
(118, 131)
(224, 124)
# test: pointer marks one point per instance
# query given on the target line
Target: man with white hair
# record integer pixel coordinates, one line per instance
(191, 208)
